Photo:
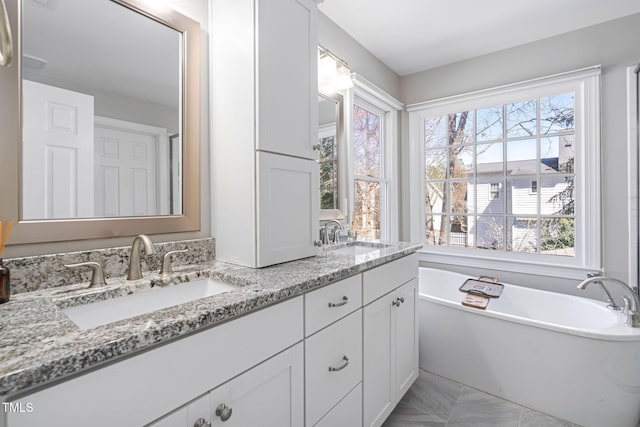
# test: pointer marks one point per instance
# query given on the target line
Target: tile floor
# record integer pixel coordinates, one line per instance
(434, 401)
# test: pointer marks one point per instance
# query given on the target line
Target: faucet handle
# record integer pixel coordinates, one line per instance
(166, 261)
(627, 305)
(97, 274)
(632, 317)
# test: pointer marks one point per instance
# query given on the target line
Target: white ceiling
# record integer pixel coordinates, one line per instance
(417, 35)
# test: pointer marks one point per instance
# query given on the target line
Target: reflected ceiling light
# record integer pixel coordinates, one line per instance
(333, 72)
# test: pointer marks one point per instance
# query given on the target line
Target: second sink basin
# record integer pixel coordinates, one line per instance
(356, 248)
(100, 313)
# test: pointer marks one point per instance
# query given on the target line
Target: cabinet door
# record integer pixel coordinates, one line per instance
(287, 92)
(390, 351)
(271, 394)
(288, 208)
(378, 360)
(406, 338)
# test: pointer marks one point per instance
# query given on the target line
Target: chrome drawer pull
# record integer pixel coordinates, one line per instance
(201, 422)
(341, 367)
(345, 299)
(398, 301)
(224, 412)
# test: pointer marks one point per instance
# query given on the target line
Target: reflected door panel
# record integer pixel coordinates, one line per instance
(57, 153)
(125, 173)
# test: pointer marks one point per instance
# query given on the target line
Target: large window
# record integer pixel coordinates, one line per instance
(506, 172)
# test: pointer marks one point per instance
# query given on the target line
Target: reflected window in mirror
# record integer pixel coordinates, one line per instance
(328, 146)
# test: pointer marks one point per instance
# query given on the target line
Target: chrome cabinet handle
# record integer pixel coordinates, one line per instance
(224, 412)
(317, 243)
(6, 45)
(341, 367)
(316, 147)
(201, 422)
(398, 301)
(345, 299)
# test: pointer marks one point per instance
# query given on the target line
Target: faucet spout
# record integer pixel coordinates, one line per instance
(633, 317)
(325, 235)
(135, 270)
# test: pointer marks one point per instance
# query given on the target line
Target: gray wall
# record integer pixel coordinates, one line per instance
(360, 60)
(615, 45)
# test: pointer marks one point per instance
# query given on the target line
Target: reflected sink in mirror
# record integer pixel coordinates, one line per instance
(101, 313)
(357, 248)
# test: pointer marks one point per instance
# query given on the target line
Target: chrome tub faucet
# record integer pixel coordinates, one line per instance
(631, 303)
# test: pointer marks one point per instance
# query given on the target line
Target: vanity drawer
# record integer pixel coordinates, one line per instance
(326, 305)
(347, 413)
(382, 280)
(333, 365)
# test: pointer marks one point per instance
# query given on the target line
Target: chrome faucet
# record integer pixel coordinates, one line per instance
(610, 302)
(325, 235)
(631, 302)
(135, 271)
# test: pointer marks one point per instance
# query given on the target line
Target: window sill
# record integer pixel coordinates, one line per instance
(509, 265)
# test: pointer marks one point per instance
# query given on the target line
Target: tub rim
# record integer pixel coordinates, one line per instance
(618, 332)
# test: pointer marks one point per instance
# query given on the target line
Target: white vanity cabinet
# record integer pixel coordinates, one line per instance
(270, 395)
(390, 337)
(140, 389)
(264, 126)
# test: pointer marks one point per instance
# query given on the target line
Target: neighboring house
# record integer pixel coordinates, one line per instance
(514, 194)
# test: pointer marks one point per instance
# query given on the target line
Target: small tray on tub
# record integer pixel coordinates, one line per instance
(482, 287)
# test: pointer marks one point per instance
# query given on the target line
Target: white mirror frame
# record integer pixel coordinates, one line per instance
(37, 231)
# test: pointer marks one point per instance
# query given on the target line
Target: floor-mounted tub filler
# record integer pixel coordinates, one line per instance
(568, 356)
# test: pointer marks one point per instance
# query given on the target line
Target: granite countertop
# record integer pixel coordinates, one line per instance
(40, 344)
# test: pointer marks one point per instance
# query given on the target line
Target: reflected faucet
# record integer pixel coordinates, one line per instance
(135, 271)
(325, 235)
(631, 302)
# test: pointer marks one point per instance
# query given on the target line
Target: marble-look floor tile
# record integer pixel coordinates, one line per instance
(407, 416)
(531, 418)
(433, 395)
(477, 409)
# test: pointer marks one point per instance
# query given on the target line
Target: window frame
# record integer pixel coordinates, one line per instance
(585, 83)
(371, 95)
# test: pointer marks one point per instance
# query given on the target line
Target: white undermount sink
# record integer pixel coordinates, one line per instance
(356, 249)
(100, 313)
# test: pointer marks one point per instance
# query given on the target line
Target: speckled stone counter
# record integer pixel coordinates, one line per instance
(40, 344)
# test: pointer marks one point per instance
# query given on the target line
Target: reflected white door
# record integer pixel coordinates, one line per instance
(57, 153)
(125, 172)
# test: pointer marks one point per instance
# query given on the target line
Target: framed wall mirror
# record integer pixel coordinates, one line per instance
(100, 120)
(331, 155)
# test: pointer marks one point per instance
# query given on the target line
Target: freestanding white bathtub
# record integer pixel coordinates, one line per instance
(567, 356)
